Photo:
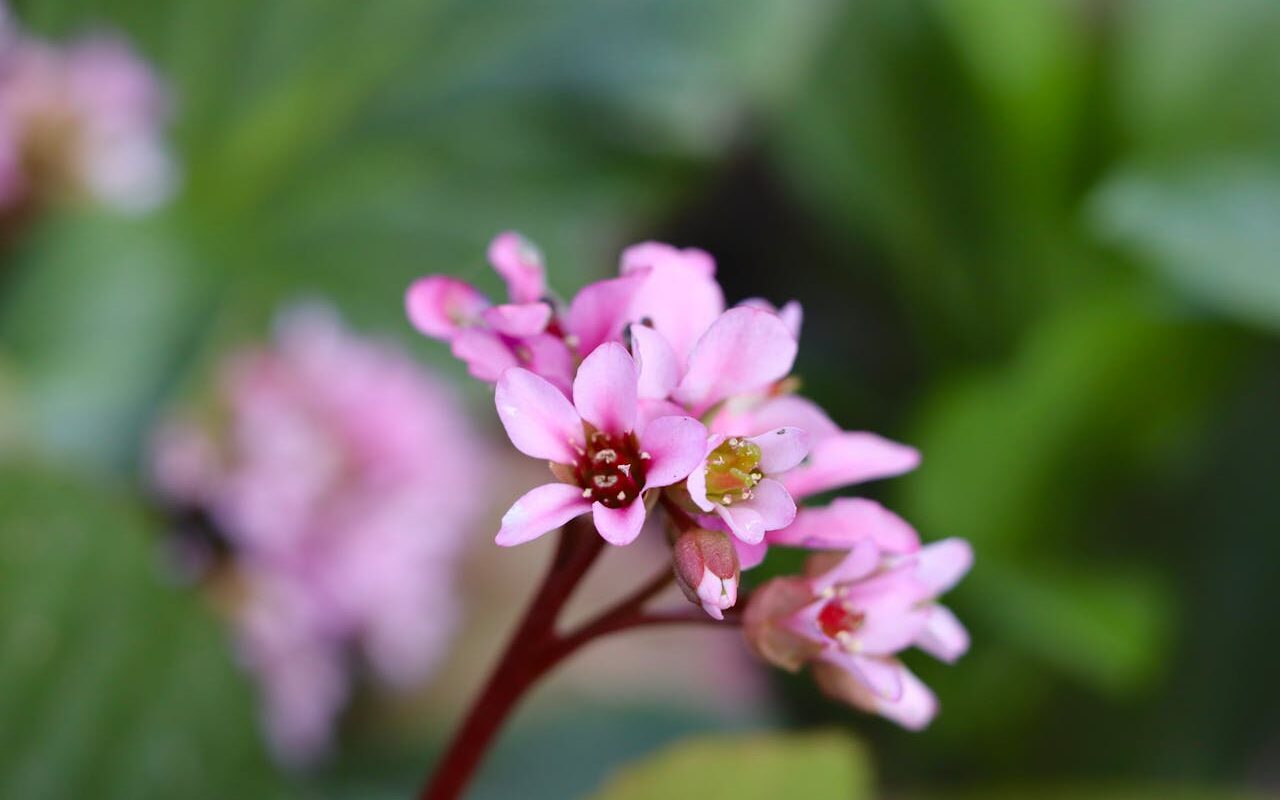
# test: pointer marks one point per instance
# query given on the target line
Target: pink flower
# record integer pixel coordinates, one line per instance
(850, 619)
(605, 455)
(492, 338)
(341, 477)
(82, 120)
(737, 481)
(836, 459)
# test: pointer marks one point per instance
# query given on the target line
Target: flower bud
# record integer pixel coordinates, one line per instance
(706, 566)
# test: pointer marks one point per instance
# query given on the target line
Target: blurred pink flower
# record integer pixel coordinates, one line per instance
(851, 618)
(346, 482)
(85, 119)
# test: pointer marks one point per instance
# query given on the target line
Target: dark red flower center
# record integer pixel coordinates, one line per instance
(836, 618)
(611, 470)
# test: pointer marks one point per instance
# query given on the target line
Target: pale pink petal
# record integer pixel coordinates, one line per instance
(941, 565)
(678, 297)
(788, 410)
(484, 352)
(521, 320)
(539, 419)
(772, 503)
(943, 636)
(858, 563)
(849, 458)
(650, 410)
(791, 314)
(541, 510)
(844, 523)
(659, 370)
(619, 526)
(745, 523)
(915, 708)
(781, 449)
(440, 306)
(604, 391)
(890, 630)
(548, 356)
(749, 555)
(599, 312)
(744, 349)
(882, 676)
(676, 446)
(520, 263)
(647, 255)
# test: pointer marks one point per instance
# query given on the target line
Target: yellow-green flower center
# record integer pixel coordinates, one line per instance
(733, 470)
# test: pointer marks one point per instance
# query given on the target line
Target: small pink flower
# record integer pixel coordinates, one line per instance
(604, 454)
(738, 482)
(493, 338)
(850, 619)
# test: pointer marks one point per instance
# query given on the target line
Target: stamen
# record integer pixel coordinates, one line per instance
(586, 493)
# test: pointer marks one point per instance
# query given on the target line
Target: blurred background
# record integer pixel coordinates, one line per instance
(1039, 240)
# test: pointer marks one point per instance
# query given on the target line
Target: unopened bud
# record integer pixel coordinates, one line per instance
(706, 566)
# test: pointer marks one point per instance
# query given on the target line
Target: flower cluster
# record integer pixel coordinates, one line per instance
(80, 120)
(651, 400)
(334, 478)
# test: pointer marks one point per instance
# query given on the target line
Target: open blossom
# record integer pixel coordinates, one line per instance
(850, 619)
(339, 477)
(81, 120)
(606, 454)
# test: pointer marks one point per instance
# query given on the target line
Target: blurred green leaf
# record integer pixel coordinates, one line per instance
(102, 313)
(1210, 228)
(112, 685)
(1109, 627)
(817, 766)
(1197, 77)
(1020, 461)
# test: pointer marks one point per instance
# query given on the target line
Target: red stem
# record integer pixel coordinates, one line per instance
(535, 648)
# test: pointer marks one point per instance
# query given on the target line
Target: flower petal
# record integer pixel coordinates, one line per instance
(619, 526)
(440, 306)
(858, 563)
(604, 391)
(781, 449)
(745, 523)
(914, 709)
(943, 637)
(648, 255)
(749, 555)
(849, 458)
(548, 356)
(883, 677)
(543, 509)
(520, 263)
(941, 565)
(791, 314)
(484, 352)
(599, 312)
(676, 447)
(518, 319)
(679, 296)
(659, 370)
(744, 349)
(788, 410)
(844, 523)
(771, 501)
(539, 419)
